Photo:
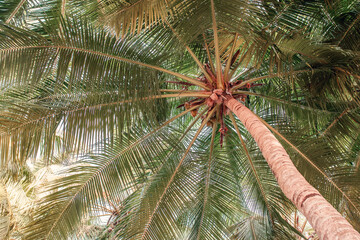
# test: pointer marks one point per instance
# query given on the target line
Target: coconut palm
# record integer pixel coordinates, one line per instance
(185, 119)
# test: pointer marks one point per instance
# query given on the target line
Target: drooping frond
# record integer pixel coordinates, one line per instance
(67, 54)
(182, 205)
(133, 16)
(115, 174)
(80, 119)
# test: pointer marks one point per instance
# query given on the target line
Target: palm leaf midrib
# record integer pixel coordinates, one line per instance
(189, 79)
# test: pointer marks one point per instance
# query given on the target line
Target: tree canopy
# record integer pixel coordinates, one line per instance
(107, 130)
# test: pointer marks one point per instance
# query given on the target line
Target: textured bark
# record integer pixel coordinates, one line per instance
(323, 217)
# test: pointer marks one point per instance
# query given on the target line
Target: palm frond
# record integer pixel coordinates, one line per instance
(183, 204)
(31, 127)
(121, 170)
(13, 11)
(133, 16)
(74, 56)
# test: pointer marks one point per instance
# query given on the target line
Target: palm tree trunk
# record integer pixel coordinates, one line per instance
(323, 217)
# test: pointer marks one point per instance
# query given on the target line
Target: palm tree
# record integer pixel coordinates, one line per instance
(138, 99)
